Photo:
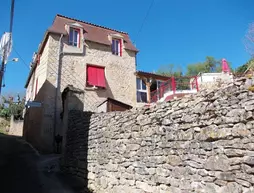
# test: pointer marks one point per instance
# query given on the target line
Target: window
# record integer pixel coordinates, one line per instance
(36, 87)
(117, 47)
(141, 91)
(96, 76)
(74, 37)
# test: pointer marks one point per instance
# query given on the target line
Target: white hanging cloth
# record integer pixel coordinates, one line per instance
(5, 46)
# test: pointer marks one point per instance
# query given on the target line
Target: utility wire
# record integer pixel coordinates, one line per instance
(145, 18)
(12, 15)
(23, 61)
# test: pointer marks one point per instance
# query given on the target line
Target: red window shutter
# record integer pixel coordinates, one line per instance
(101, 77)
(38, 59)
(120, 47)
(36, 86)
(96, 76)
(91, 76)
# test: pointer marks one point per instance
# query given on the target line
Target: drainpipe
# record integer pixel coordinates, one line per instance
(58, 84)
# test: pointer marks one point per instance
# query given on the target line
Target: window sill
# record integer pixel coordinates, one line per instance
(94, 88)
(116, 55)
(72, 46)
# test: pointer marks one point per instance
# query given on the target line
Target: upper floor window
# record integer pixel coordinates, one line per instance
(36, 87)
(74, 37)
(96, 76)
(117, 47)
(141, 91)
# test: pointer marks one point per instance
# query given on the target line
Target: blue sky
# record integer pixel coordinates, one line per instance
(176, 32)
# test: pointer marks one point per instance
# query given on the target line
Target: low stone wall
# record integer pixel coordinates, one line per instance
(16, 127)
(201, 143)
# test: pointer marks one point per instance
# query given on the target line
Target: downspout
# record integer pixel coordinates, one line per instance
(58, 84)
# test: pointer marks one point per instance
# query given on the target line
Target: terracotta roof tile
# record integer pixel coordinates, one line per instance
(93, 32)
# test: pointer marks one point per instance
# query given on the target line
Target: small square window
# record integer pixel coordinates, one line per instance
(74, 37)
(117, 47)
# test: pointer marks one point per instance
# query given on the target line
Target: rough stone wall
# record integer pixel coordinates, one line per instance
(200, 143)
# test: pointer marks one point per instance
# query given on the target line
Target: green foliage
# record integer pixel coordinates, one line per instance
(8, 107)
(169, 70)
(4, 125)
(194, 69)
(5, 113)
(242, 69)
(246, 66)
(209, 65)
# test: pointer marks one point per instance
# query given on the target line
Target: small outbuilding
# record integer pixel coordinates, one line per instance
(110, 105)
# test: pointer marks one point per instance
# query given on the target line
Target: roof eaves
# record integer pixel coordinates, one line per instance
(59, 15)
(41, 47)
(150, 74)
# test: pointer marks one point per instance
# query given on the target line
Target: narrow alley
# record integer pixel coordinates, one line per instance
(22, 170)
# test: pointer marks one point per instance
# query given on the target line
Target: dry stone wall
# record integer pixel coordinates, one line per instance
(200, 143)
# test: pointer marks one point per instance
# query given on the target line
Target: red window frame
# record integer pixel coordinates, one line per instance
(95, 76)
(36, 86)
(78, 38)
(38, 59)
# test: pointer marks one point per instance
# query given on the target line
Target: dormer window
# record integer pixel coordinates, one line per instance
(74, 37)
(117, 47)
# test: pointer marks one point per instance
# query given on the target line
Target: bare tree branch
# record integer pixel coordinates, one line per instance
(249, 40)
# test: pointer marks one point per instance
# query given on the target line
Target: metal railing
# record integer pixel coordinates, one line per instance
(175, 85)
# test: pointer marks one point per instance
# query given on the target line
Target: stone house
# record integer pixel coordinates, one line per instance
(99, 61)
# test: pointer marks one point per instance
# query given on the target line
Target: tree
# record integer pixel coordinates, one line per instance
(246, 66)
(170, 70)
(10, 107)
(194, 69)
(209, 65)
(249, 40)
(242, 68)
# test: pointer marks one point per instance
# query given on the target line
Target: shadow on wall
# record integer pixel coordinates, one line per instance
(73, 115)
(38, 126)
(105, 93)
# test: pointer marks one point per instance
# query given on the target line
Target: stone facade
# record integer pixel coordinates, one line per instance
(119, 72)
(200, 143)
(60, 67)
(40, 74)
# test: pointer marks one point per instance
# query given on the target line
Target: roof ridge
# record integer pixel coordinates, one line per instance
(59, 15)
